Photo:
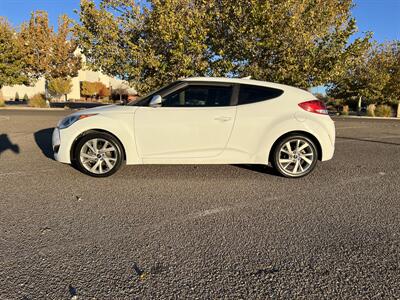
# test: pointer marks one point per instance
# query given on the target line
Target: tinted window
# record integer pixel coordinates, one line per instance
(251, 94)
(199, 96)
(144, 101)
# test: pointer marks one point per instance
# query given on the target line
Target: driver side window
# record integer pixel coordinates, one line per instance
(199, 96)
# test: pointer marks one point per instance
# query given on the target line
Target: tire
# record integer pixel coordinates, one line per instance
(98, 154)
(294, 156)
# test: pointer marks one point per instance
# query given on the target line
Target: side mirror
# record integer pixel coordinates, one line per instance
(155, 101)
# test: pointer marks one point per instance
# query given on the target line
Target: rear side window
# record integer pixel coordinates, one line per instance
(252, 94)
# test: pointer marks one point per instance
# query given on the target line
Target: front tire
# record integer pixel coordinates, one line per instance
(294, 156)
(98, 154)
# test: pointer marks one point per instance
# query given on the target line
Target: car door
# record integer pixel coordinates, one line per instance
(193, 121)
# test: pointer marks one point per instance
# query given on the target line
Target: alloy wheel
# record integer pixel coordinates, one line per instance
(98, 156)
(296, 157)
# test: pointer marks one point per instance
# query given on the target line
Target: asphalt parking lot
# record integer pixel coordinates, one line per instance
(201, 232)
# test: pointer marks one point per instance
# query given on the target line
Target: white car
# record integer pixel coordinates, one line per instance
(202, 121)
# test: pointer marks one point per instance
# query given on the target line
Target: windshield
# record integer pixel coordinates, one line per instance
(143, 100)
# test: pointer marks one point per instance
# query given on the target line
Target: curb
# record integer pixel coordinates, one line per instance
(34, 108)
(364, 117)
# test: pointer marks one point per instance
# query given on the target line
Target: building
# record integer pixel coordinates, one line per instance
(84, 74)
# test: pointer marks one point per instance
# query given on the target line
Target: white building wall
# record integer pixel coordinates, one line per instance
(83, 75)
(10, 91)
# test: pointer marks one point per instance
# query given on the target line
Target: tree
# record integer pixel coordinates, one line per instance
(36, 36)
(366, 77)
(89, 89)
(392, 88)
(176, 34)
(12, 61)
(16, 98)
(64, 62)
(49, 54)
(120, 91)
(60, 86)
(103, 91)
(302, 43)
(146, 47)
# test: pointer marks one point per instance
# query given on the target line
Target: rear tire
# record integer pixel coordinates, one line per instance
(98, 154)
(294, 156)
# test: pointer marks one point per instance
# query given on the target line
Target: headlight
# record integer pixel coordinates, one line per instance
(68, 121)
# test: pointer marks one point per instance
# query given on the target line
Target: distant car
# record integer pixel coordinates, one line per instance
(202, 121)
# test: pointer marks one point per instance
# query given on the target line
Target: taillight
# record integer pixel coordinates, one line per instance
(315, 106)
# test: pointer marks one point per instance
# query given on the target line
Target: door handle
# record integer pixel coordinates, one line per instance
(222, 118)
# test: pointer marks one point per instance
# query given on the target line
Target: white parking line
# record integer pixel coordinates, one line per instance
(244, 205)
(24, 172)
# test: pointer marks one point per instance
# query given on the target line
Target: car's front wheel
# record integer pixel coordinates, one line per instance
(98, 154)
(295, 156)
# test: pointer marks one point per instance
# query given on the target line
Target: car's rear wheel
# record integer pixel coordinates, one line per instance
(295, 156)
(98, 154)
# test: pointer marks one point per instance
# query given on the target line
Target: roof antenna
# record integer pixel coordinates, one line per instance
(247, 77)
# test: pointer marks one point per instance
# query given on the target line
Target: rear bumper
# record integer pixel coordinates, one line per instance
(327, 140)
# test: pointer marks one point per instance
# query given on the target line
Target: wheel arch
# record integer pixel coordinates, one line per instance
(297, 132)
(75, 142)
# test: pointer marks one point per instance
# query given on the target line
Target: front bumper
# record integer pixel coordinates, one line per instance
(56, 142)
(60, 145)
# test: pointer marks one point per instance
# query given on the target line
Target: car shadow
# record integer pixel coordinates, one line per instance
(43, 140)
(6, 144)
(258, 169)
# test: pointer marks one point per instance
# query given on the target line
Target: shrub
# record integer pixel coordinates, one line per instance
(38, 100)
(60, 86)
(89, 89)
(383, 111)
(103, 91)
(345, 110)
(26, 98)
(106, 101)
(2, 102)
(371, 110)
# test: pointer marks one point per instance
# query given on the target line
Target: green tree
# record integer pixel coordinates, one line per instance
(147, 47)
(12, 61)
(109, 37)
(392, 89)
(89, 89)
(302, 43)
(16, 98)
(366, 77)
(60, 86)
